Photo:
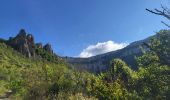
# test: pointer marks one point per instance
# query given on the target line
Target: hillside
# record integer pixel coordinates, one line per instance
(43, 75)
(16, 69)
(101, 62)
(38, 78)
(25, 44)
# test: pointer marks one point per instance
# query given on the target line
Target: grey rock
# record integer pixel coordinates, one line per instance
(23, 43)
(101, 63)
(48, 48)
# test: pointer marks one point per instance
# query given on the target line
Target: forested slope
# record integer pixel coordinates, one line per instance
(41, 78)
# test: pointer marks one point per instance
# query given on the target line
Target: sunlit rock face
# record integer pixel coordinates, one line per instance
(101, 63)
(24, 43)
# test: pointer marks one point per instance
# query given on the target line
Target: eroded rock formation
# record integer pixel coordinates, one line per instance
(24, 43)
(48, 48)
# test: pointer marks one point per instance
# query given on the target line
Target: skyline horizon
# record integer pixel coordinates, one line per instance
(82, 28)
(78, 56)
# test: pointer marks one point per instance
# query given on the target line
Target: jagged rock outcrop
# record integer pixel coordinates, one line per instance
(48, 48)
(24, 43)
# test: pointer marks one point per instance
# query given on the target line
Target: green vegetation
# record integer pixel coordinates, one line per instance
(51, 78)
(37, 79)
(46, 55)
(150, 81)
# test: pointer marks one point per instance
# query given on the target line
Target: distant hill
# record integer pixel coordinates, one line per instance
(101, 62)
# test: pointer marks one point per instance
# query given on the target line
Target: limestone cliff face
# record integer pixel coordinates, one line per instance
(101, 62)
(24, 43)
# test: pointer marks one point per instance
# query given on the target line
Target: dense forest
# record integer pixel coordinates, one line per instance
(51, 78)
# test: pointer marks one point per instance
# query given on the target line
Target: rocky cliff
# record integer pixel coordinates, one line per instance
(25, 44)
(101, 62)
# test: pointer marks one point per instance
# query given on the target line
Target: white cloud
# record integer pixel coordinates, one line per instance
(101, 48)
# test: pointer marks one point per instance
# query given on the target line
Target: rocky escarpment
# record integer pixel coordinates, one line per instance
(25, 44)
(101, 62)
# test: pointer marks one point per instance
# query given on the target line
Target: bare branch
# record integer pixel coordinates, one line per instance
(165, 24)
(165, 9)
(165, 12)
(161, 12)
(153, 12)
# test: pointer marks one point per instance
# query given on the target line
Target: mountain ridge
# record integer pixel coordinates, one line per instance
(100, 63)
(24, 43)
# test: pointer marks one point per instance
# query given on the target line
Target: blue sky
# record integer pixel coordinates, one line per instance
(71, 26)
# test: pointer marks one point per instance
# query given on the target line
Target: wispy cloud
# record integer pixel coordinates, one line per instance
(101, 48)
